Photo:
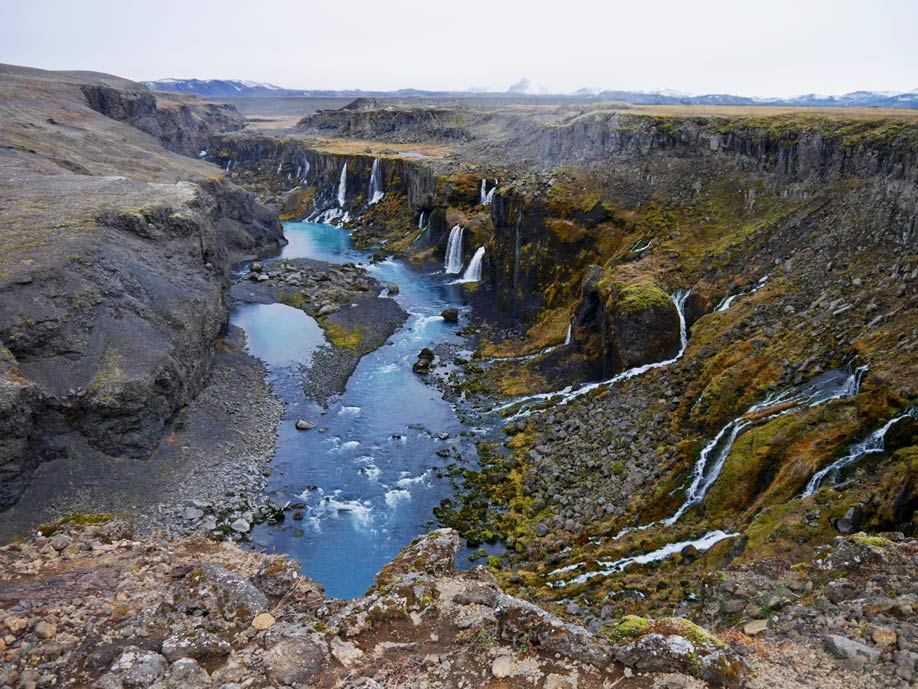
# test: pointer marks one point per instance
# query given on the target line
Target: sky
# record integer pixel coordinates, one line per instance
(744, 47)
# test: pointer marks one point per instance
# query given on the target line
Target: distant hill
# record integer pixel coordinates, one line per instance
(525, 88)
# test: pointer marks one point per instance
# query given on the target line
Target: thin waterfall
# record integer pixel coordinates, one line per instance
(873, 444)
(376, 192)
(342, 186)
(421, 221)
(279, 166)
(453, 263)
(484, 192)
(473, 272)
(702, 544)
(305, 168)
(570, 334)
(829, 386)
(726, 301)
(570, 393)
(516, 251)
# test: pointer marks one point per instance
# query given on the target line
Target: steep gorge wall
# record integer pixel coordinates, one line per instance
(181, 125)
(112, 281)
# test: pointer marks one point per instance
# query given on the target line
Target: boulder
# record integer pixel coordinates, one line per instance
(843, 647)
(450, 315)
(195, 643)
(215, 590)
(295, 660)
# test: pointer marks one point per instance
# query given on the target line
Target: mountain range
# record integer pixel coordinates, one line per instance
(230, 88)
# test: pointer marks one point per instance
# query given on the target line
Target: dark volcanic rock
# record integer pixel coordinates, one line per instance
(112, 281)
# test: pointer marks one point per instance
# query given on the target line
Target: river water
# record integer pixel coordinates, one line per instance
(369, 474)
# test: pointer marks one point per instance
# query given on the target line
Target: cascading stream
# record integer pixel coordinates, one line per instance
(875, 443)
(829, 386)
(570, 393)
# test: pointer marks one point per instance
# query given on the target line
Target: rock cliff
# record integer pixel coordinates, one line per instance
(114, 265)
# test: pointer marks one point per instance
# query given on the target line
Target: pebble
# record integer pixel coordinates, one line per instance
(240, 526)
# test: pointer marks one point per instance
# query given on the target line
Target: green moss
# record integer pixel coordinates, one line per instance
(629, 627)
(640, 298)
(74, 520)
(343, 338)
(875, 542)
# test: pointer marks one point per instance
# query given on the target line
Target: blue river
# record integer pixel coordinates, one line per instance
(369, 474)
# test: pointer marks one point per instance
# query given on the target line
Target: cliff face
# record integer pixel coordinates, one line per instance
(402, 125)
(182, 125)
(112, 280)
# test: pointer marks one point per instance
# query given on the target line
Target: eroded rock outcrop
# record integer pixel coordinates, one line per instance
(193, 604)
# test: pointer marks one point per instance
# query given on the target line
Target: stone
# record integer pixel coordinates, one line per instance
(295, 660)
(137, 668)
(263, 621)
(392, 289)
(450, 315)
(45, 630)
(848, 524)
(541, 529)
(754, 627)
(503, 666)
(215, 590)
(304, 425)
(240, 526)
(843, 647)
(60, 541)
(884, 636)
(192, 514)
(15, 624)
(196, 643)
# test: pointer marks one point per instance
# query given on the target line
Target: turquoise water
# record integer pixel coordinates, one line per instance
(370, 481)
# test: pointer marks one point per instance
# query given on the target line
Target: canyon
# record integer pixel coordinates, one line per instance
(680, 392)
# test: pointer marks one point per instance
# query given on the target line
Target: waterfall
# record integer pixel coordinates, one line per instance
(516, 251)
(342, 186)
(421, 221)
(305, 168)
(279, 166)
(569, 393)
(570, 333)
(473, 272)
(376, 192)
(453, 263)
(485, 196)
(873, 444)
(702, 544)
(829, 386)
(298, 168)
(726, 301)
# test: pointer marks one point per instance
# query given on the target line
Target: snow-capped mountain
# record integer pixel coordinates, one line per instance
(233, 88)
(525, 87)
(216, 88)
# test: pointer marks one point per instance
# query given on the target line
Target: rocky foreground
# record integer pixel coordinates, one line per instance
(85, 603)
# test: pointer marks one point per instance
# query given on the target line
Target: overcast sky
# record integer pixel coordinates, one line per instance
(745, 47)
